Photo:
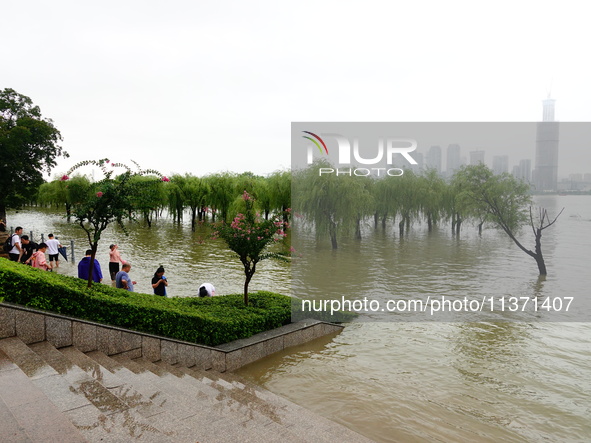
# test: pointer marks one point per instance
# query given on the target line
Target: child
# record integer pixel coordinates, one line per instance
(38, 258)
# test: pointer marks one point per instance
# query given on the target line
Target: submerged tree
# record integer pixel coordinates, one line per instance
(249, 237)
(507, 200)
(333, 203)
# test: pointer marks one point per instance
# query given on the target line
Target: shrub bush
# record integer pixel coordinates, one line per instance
(209, 321)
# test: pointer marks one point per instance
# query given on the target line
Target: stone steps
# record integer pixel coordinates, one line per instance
(65, 395)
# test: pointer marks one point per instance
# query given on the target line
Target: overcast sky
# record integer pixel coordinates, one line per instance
(200, 87)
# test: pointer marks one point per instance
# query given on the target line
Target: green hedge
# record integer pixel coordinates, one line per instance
(209, 321)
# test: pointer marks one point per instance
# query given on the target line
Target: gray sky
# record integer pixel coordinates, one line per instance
(200, 87)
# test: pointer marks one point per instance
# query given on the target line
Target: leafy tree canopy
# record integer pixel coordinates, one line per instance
(29, 145)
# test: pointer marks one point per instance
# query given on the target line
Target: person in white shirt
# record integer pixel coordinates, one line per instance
(52, 249)
(16, 252)
(206, 290)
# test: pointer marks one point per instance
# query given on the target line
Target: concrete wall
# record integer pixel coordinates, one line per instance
(33, 326)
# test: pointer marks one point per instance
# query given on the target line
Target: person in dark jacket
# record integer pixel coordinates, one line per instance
(84, 268)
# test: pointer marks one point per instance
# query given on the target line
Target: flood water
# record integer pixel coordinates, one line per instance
(189, 258)
(528, 379)
(465, 381)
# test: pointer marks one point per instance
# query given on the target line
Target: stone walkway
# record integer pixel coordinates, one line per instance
(64, 395)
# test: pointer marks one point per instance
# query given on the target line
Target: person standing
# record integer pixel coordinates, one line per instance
(114, 260)
(53, 246)
(16, 252)
(159, 282)
(38, 260)
(29, 247)
(122, 279)
(84, 268)
(206, 290)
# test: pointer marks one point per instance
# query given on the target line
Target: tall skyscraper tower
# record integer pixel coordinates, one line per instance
(434, 158)
(453, 159)
(547, 138)
(500, 164)
(476, 157)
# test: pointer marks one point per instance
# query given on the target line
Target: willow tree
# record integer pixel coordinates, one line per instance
(508, 202)
(332, 203)
(222, 193)
(384, 192)
(175, 198)
(192, 191)
(431, 191)
(280, 189)
(57, 193)
(406, 199)
(262, 193)
(151, 199)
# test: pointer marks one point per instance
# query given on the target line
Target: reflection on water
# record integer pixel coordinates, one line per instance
(189, 258)
(462, 381)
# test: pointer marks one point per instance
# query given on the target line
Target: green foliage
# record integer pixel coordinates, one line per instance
(500, 199)
(98, 204)
(209, 321)
(221, 193)
(29, 145)
(249, 237)
(334, 203)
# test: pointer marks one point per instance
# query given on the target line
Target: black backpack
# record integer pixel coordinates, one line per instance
(8, 244)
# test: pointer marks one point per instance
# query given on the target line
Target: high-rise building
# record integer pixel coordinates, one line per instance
(547, 139)
(525, 170)
(454, 162)
(434, 158)
(500, 164)
(476, 157)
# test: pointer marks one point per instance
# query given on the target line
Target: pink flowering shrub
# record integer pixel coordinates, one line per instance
(249, 237)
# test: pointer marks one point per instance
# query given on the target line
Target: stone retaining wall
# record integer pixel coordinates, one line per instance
(33, 326)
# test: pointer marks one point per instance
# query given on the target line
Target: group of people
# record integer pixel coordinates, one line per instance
(27, 251)
(121, 278)
(24, 250)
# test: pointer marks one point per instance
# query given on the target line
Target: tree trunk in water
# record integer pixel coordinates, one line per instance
(401, 227)
(429, 222)
(332, 231)
(358, 230)
(193, 216)
(480, 228)
(539, 257)
(333, 240)
(458, 225)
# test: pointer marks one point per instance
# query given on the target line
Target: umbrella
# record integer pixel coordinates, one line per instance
(62, 251)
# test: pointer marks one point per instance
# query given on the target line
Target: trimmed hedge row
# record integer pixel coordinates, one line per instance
(209, 321)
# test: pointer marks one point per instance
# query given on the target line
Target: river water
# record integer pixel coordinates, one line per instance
(528, 379)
